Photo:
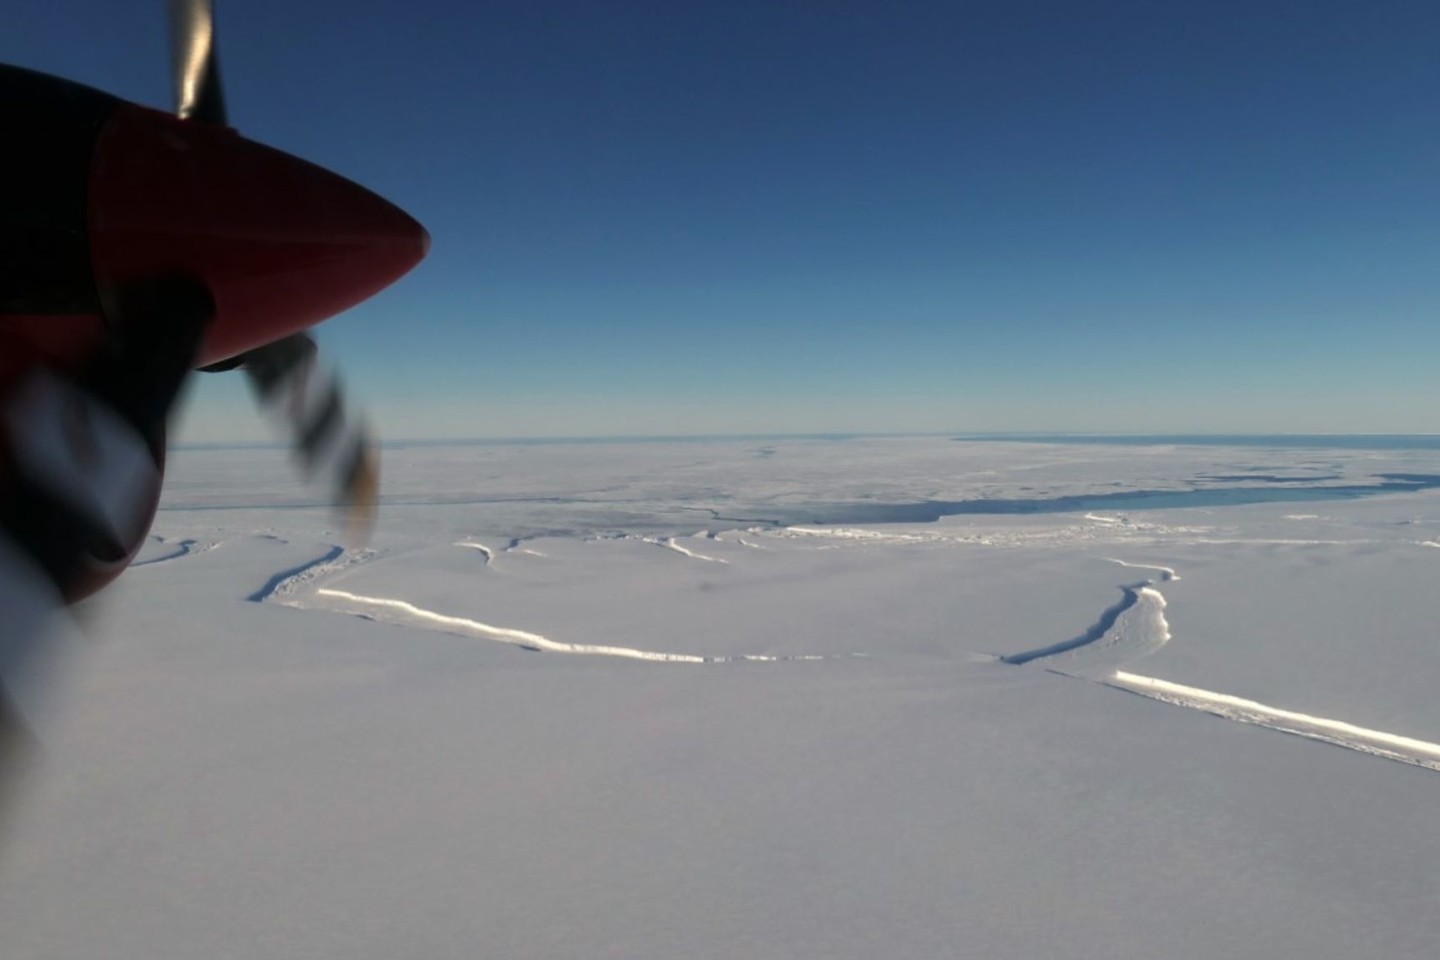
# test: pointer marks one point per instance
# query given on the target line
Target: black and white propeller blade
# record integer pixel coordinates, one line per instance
(303, 398)
(296, 392)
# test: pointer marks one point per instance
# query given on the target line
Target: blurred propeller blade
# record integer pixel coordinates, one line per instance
(298, 394)
(333, 445)
(198, 95)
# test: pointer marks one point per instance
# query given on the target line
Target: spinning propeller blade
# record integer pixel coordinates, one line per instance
(332, 445)
(198, 95)
(296, 392)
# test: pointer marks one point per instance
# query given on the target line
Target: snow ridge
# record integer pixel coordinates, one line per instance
(485, 551)
(1167, 574)
(538, 642)
(1421, 753)
(670, 544)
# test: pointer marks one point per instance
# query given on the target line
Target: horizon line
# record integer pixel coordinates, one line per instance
(959, 435)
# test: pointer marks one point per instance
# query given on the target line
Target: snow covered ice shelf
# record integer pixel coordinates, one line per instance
(277, 747)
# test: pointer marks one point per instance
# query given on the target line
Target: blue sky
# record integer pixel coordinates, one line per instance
(674, 218)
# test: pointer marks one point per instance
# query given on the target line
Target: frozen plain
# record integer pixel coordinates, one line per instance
(758, 698)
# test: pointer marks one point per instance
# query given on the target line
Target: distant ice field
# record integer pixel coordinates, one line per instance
(1278, 441)
(912, 697)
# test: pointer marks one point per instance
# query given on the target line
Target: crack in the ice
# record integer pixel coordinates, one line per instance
(1095, 632)
(513, 545)
(1151, 634)
(183, 548)
(285, 580)
(930, 510)
(1127, 630)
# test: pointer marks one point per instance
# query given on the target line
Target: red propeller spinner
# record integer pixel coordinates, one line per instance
(281, 243)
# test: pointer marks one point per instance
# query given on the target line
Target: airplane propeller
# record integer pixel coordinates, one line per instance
(198, 94)
(296, 392)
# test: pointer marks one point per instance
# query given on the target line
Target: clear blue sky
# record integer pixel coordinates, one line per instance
(670, 217)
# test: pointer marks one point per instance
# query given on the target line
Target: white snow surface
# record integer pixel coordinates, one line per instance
(658, 700)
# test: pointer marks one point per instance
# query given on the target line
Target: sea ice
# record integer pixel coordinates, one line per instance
(796, 732)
